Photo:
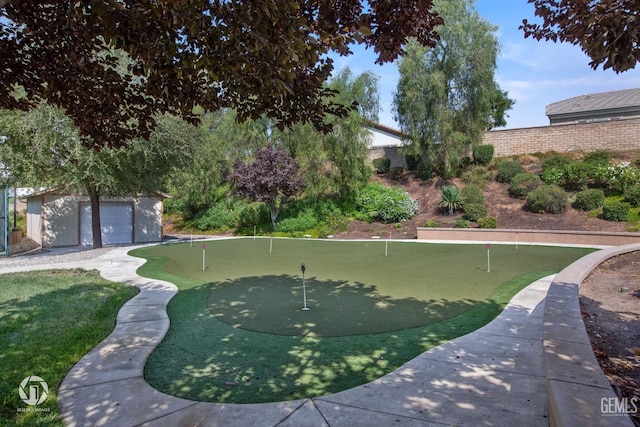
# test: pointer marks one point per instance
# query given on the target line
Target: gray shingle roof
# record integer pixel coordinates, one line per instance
(596, 102)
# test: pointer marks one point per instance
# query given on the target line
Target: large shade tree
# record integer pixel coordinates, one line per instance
(260, 57)
(447, 96)
(608, 31)
(42, 147)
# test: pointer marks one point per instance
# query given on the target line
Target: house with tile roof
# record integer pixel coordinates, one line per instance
(596, 107)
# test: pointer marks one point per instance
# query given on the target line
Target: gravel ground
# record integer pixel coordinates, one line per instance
(52, 256)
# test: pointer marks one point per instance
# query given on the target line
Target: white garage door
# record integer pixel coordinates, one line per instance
(116, 221)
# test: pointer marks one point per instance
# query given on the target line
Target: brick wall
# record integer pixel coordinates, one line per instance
(392, 153)
(617, 135)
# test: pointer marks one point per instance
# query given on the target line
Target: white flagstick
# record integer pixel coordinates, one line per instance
(386, 244)
(516, 240)
(191, 239)
(304, 288)
(270, 244)
(204, 247)
(488, 246)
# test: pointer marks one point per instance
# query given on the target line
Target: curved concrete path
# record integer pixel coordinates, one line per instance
(493, 376)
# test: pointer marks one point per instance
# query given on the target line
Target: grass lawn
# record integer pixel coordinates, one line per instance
(48, 321)
(240, 321)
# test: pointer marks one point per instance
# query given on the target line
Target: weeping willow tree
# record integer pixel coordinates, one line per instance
(447, 96)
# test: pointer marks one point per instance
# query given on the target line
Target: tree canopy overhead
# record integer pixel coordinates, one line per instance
(260, 57)
(608, 31)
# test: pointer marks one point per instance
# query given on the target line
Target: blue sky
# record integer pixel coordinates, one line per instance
(534, 73)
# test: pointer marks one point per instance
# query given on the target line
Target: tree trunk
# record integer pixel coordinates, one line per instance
(96, 230)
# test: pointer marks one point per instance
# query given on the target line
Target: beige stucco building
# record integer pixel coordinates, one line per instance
(57, 219)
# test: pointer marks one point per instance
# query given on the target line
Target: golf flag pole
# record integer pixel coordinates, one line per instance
(204, 248)
(304, 288)
(191, 239)
(516, 240)
(488, 246)
(270, 244)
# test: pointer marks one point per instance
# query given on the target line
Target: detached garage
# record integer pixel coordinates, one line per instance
(56, 219)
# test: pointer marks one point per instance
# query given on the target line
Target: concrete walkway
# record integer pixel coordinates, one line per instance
(491, 377)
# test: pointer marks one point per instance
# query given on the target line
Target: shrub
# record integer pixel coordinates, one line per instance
(461, 223)
(218, 217)
(548, 199)
(488, 222)
(483, 154)
(623, 176)
(303, 221)
(474, 211)
(555, 161)
(381, 165)
(588, 200)
(632, 195)
(424, 170)
(476, 175)
(451, 198)
(524, 183)
(375, 202)
(413, 160)
(616, 211)
(396, 172)
(431, 223)
(472, 194)
(577, 175)
(598, 157)
(507, 170)
(553, 175)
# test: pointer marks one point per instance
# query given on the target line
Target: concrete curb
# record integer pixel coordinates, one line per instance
(575, 382)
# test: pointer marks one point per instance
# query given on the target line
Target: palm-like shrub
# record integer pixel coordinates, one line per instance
(451, 199)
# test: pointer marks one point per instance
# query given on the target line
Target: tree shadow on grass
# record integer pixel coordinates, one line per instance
(205, 359)
(274, 304)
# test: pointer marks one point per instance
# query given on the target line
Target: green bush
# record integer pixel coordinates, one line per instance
(488, 222)
(431, 223)
(632, 195)
(381, 165)
(461, 223)
(555, 161)
(588, 200)
(553, 175)
(577, 175)
(598, 157)
(482, 154)
(375, 202)
(250, 214)
(303, 221)
(424, 170)
(218, 217)
(548, 199)
(507, 170)
(472, 194)
(616, 211)
(396, 172)
(477, 175)
(474, 211)
(412, 161)
(524, 183)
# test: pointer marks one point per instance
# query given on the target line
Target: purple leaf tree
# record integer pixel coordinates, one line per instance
(273, 178)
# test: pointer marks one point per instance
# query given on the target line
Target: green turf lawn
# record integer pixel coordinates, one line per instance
(241, 320)
(48, 321)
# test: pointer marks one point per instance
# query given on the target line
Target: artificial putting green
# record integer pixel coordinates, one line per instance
(241, 321)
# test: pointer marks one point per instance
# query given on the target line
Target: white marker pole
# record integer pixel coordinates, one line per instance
(270, 244)
(304, 288)
(386, 244)
(516, 240)
(204, 247)
(488, 246)
(191, 239)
